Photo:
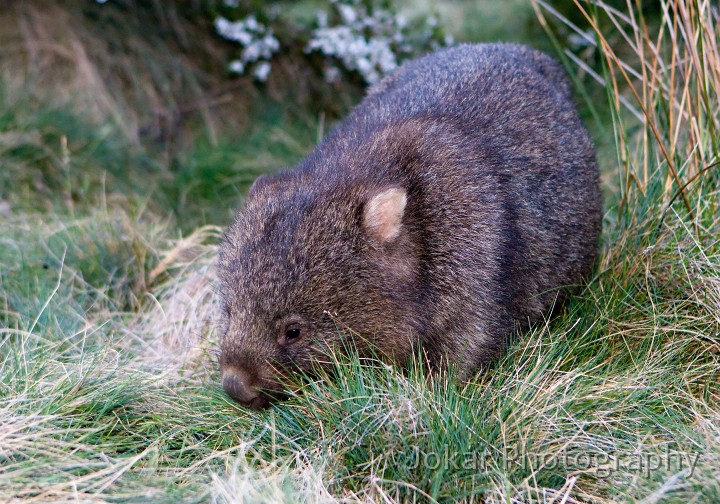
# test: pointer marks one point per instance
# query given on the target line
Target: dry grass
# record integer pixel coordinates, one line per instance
(669, 79)
(82, 54)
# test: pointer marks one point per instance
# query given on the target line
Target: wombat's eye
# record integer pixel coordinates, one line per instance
(292, 332)
(292, 329)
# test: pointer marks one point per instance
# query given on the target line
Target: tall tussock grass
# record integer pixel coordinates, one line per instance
(132, 64)
(662, 78)
(109, 388)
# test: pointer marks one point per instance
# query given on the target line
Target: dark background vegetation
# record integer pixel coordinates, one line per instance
(134, 98)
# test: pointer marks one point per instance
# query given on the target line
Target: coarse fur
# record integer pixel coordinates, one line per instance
(458, 200)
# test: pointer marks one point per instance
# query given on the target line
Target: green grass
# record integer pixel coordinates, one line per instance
(208, 173)
(109, 391)
(113, 405)
(57, 160)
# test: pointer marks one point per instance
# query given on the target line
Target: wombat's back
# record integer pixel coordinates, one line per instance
(467, 80)
(502, 175)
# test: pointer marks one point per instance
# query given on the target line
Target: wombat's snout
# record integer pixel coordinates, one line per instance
(240, 385)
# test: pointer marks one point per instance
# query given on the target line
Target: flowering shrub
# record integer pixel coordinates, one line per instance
(357, 36)
(368, 39)
(365, 37)
(257, 40)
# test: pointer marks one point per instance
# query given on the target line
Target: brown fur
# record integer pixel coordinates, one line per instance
(501, 211)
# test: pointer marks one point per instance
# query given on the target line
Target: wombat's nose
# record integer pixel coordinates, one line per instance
(239, 385)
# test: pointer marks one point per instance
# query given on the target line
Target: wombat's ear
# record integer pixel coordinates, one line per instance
(383, 214)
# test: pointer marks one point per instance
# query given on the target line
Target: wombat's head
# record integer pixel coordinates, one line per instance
(300, 266)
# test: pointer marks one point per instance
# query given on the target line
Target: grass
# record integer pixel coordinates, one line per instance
(108, 387)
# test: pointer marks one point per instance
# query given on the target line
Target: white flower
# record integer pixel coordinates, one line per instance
(367, 40)
(251, 52)
(332, 73)
(262, 71)
(243, 37)
(252, 24)
(258, 42)
(236, 66)
(364, 66)
(347, 13)
(271, 43)
(372, 77)
(232, 31)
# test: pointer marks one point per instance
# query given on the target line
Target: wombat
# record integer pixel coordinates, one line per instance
(457, 202)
